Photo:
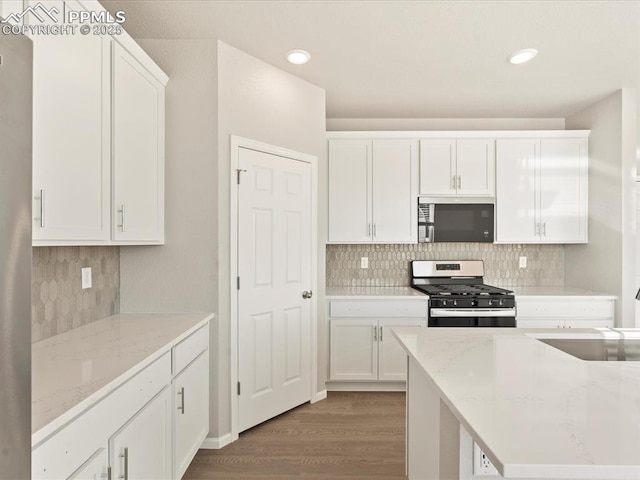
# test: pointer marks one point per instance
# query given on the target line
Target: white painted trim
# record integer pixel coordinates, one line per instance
(319, 396)
(216, 443)
(462, 134)
(237, 143)
(366, 386)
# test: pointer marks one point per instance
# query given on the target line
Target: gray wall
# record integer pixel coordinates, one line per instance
(260, 102)
(607, 262)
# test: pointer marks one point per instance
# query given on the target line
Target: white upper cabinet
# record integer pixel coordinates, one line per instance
(350, 190)
(372, 191)
(138, 151)
(463, 167)
(541, 190)
(71, 178)
(98, 136)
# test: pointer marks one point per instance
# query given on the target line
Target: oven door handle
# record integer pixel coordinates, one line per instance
(472, 312)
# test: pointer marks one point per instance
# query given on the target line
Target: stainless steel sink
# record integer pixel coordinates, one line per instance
(619, 349)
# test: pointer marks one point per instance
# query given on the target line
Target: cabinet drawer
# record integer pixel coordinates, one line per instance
(64, 452)
(188, 349)
(378, 308)
(565, 308)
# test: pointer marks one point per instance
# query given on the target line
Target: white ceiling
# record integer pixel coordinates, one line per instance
(423, 59)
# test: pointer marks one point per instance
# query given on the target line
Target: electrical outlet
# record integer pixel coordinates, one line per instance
(86, 278)
(364, 262)
(523, 262)
(482, 466)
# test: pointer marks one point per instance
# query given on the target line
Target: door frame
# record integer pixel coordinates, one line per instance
(238, 142)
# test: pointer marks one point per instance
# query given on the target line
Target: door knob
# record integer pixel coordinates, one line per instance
(307, 294)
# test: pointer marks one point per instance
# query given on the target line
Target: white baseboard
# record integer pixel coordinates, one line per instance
(366, 386)
(216, 443)
(319, 396)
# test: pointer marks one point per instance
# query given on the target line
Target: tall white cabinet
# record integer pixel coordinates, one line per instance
(373, 190)
(98, 137)
(541, 190)
(71, 151)
(138, 153)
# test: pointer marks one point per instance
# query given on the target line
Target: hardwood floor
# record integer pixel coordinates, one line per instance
(348, 436)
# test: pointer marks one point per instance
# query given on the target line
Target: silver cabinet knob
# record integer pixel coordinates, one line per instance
(307, 294)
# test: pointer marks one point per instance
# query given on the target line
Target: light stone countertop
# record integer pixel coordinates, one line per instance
(361, 293)
(74, 370)
(403, 293)
(536, 411)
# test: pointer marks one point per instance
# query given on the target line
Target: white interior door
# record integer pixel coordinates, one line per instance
(274, 268)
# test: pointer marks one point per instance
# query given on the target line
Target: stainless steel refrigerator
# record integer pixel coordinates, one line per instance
(15, 256)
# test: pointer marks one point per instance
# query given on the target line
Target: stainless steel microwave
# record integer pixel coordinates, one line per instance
(455, 220)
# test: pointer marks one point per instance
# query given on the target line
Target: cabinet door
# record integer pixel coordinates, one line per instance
(394, 191)
(191, 412)
(516, 189)
(539, 323)
(71, 177)
(475, 167)
(138, 151)
(95, 468)
(563, 190)
(392, 359)
(350, 191)
(353, 349)
(142, 448)
(437, 167)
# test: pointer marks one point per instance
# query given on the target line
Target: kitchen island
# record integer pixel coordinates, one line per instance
(535, 411)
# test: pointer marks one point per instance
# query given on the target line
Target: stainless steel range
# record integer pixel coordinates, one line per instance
(458, 296)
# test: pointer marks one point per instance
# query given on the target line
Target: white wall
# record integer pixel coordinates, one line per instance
(368, 124)
(607, 262)
(258, 101)
(182, 274)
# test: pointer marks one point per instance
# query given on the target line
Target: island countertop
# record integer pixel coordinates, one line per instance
(536, 411)
(74, 370)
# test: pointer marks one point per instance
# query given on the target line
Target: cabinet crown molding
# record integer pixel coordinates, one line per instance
(426, 134)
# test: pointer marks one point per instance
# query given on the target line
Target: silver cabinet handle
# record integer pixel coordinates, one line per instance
(307, 294)
(125, 455)
(375, 333)
(41, 198)
(459, 182)
(537, 233)
(122, 225)
(368, 229)
(381, 333)
(544, 229)
(374, 229)
(453, 182)
(181, 407)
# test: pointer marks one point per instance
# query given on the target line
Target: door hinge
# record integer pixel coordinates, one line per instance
(238, 283)
(239, 171)
(238, 388)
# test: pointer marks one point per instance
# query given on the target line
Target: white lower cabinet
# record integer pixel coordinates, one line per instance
(362, 347)
(150, 427)
(558, 312)
(142, 447)
(191, 412)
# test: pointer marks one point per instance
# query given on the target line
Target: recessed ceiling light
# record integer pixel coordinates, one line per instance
(298, 56)
(522, 56)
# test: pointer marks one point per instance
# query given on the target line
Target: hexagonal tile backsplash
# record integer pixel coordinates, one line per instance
(389, 264)
(58, 303)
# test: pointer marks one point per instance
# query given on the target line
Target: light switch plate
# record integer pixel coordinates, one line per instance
(364, 262)
(86, 278)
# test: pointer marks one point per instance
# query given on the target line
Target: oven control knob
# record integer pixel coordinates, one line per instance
(455, 302)
(501, 302)
(490, 302)
(444, 303)
(474, 303)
